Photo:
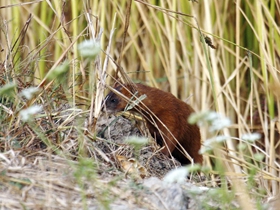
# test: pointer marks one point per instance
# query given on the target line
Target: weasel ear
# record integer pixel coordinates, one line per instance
(117, 83)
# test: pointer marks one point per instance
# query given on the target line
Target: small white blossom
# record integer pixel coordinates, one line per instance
(211, 116)
(177, 175)
(27, 114)
(210, 144)
(222, 138)
(89, 48)
(29, 92)
(251, 137)
(217, 139)
(136, 140)
(205, 149)
(214, 119)
(219, 124)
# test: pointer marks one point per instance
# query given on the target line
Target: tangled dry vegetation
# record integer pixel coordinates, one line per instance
(70, 168)
(56, 59)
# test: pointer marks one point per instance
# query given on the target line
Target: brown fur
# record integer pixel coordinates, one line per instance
(171, 111)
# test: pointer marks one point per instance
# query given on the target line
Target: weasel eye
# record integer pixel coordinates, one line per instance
(114, 100)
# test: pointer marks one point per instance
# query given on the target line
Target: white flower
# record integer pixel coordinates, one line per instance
(89, 48)
(29, 92)
(214, 119)
(27, 114)
(211, 116)
(176, 175)
(136, 140)
(251, 137)
(219, 124)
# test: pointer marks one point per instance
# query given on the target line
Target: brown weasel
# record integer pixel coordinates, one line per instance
(172, 112)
